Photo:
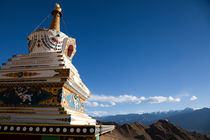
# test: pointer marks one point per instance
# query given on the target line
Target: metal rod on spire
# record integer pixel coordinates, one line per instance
(55, 24)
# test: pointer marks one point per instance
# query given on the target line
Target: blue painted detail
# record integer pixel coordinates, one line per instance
(20, 74)
(58, 35)
(24, 95)
(73, 101)
(59, 95)
(69, 119)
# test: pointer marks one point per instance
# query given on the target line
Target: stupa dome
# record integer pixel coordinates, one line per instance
(52, 40)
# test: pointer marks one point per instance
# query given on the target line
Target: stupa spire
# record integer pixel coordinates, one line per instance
(55, 24)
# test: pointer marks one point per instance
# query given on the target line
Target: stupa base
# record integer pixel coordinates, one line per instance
(52, 123)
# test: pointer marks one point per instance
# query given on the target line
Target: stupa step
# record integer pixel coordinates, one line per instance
(11, 117)
(32, 108)
(31, 112)
(46, 117)
(51, 73)
(34, 121)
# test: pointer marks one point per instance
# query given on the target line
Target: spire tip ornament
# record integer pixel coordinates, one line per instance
(57, 7)
(55, 24)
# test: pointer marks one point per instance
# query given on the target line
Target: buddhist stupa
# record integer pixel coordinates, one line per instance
(41, 93)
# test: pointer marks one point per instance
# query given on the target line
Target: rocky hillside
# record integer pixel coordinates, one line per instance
(161, 130)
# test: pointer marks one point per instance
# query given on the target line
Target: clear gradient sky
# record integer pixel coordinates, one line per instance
(134, 55)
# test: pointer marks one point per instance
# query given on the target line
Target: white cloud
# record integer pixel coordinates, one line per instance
(112, 99)
(113, 103)
(171, 99)
(97, 113)
(193, 98)
(156, 99)
(160, 99)
(96, 104)
(105, 105)
(99, 100)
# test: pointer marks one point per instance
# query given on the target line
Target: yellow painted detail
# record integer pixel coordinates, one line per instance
(53, 90)
(53, 99)
(2, 89)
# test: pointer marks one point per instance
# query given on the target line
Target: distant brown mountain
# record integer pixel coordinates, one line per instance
(161, 130)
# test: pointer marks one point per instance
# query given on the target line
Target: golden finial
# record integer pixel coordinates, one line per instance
(57, 7)
(55, 24)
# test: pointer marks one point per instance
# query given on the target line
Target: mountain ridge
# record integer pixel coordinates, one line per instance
(160, 130)
(189, 119)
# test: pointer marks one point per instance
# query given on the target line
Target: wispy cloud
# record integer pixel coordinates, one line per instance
(97, 113)
(193, 98)
(160, 99)
(107, 101)
(96, 104)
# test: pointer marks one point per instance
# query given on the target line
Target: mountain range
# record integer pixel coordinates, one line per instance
(189, 119)
(161, 130)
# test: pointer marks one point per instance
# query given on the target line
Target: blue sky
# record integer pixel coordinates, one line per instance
(134, 55)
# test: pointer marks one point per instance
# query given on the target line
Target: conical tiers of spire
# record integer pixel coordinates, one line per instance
(55, 24)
